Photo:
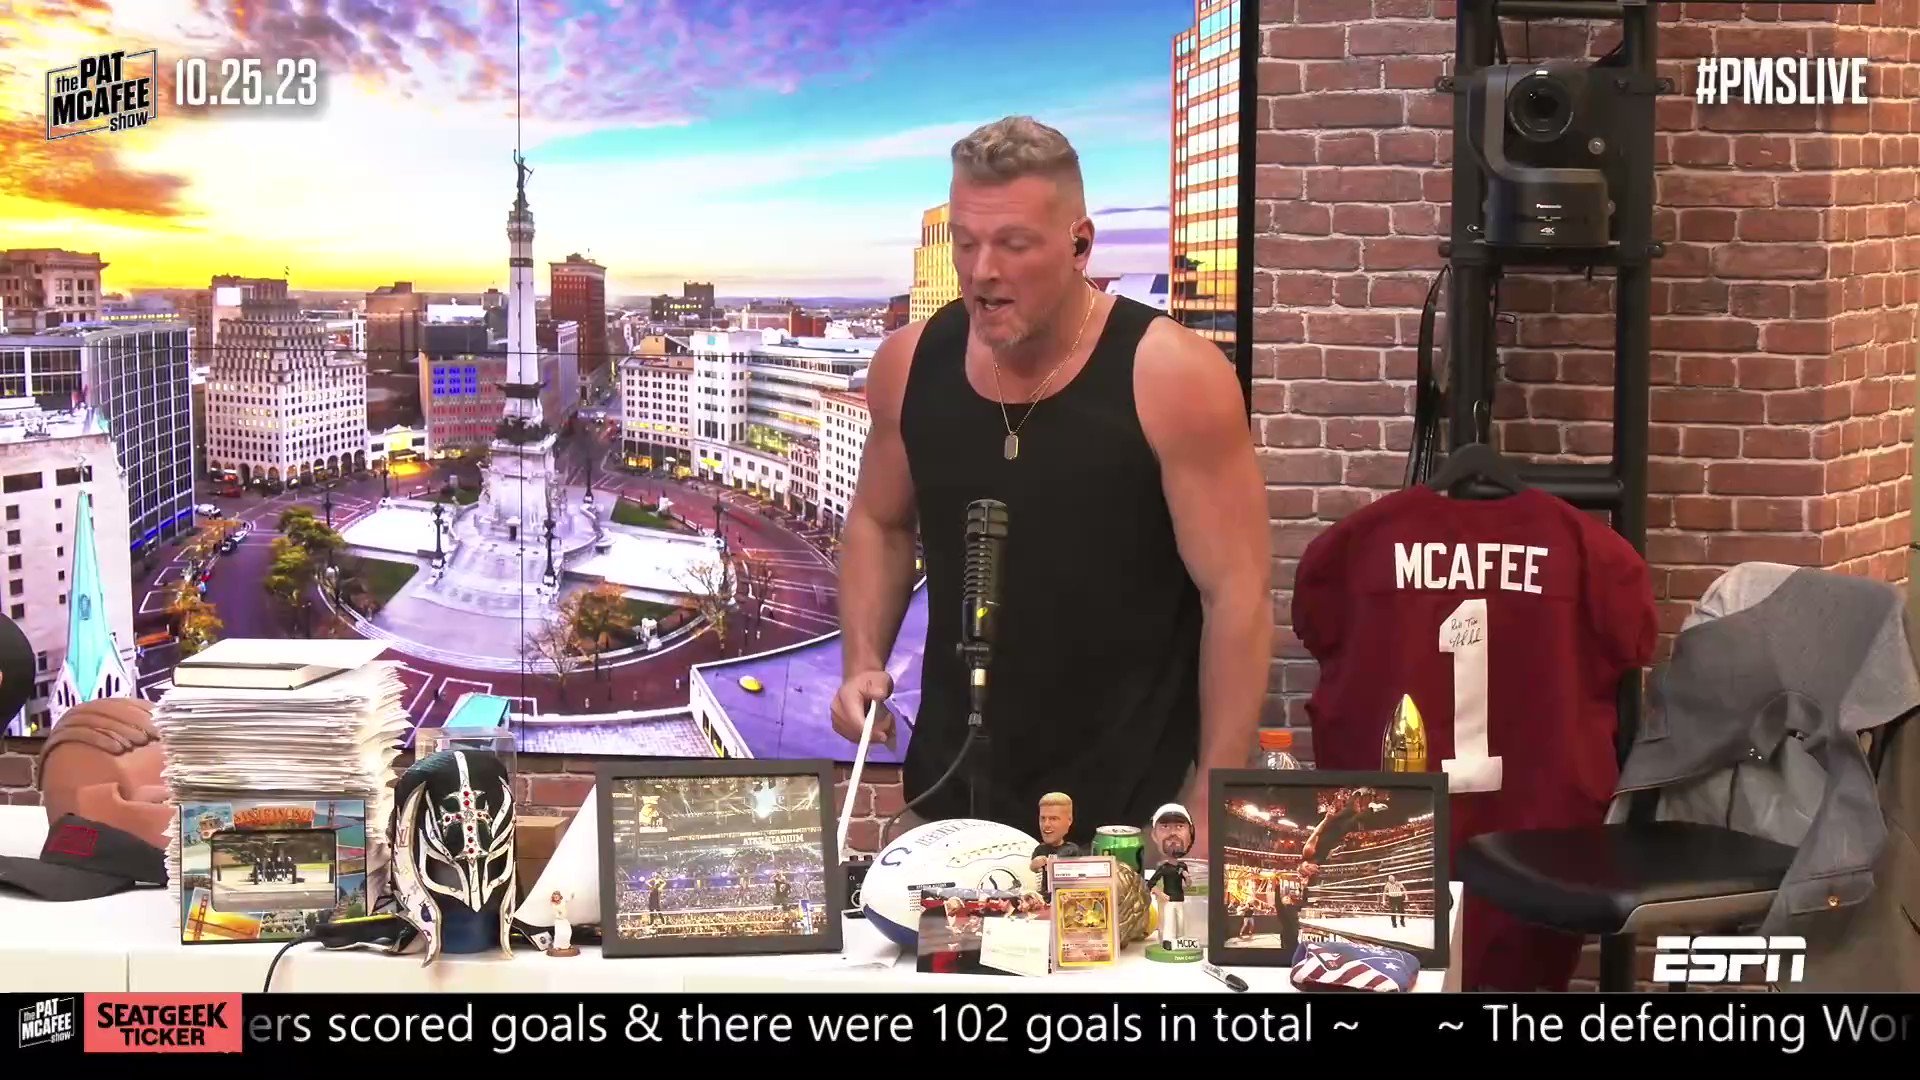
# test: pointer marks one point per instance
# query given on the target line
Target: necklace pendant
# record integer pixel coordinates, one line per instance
(1011, 448)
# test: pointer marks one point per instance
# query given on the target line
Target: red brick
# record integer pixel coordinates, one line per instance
(1749, 41)
(1708, 512)
(863, 836)
(1668, 548)
(1709, 226)
(1776, 442)
(1385, 470)
(1385, 38)
(1269, 397)
(1290, 502)
(1280, 78)
(886, 798)
(1279, 327)
(1711, 189)
(1679, 477)
(1363, 219)
(1770, 515)
(1337, 253)
(1766, 478)
(1351, 328)
(1333, 110)
(1417, 219)
(1770, 260)
(1570, 402)
(1755, 301)
(1699, 150)
(1414, 72)
(1306, 42)
(1705, 335)
(558, 791)
(1285, 148)
(1693, 298)
(1397, 292)
(16, 771)
(1304, 290)
(1815, 338)
(1273, 182)
(1808, 405)
(1399, 253)
(1734, 549)
(1323, 75)
(1352, 365)
(1347, 434)
(1777, 224)
(1709, 442)
(1763, 152)
(1292, 432)
(1300, 466)
(1301, 218)
(1803, 189)
(1361, 184)
(1530, 438)
(1685, 404)
(28, 797)
(1288, 361)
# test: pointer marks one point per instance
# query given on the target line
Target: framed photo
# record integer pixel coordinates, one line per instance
(1310, 855)
(718, 856)
(269, 869)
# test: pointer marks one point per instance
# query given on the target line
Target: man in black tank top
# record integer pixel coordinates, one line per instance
(1133, 637)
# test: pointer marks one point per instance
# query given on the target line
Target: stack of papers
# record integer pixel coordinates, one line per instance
(336, 737)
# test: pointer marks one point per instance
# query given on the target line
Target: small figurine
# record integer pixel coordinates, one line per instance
(562, 929)
(1173, 835)
(1056, 818)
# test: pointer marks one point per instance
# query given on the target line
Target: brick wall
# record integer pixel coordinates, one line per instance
(1784, 312)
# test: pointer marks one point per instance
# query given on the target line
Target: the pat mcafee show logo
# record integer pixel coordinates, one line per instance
(47, 1021)
(162, 1023)
(109, 92)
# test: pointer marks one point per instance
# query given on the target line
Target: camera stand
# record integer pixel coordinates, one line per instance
(1618, 486)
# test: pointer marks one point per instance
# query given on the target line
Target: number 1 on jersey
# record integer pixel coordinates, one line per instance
(1464, 634)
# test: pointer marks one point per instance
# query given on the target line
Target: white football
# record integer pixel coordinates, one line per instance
(962, 853)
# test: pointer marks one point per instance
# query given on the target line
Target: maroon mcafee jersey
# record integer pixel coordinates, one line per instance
(1510, 623)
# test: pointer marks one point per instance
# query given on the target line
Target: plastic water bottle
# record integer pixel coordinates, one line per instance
(1276, 750)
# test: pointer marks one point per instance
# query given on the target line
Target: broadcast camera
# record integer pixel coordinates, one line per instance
(1543, 134)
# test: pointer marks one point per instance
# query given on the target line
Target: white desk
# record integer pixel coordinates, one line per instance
(131, 942)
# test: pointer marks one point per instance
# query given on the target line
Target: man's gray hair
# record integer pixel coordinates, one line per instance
(1017, 146)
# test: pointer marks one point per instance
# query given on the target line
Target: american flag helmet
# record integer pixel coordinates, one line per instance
(1345, 965)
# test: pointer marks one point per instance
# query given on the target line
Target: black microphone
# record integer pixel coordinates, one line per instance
(985, 548)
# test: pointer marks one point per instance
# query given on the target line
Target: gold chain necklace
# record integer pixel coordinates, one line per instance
(1010, 449)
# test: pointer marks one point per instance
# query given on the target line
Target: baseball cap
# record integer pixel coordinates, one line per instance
(84, 860)
(1174, 811)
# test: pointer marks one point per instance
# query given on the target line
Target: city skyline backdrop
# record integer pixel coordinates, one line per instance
(771, 149)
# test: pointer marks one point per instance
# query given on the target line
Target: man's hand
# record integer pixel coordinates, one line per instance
(850, 706)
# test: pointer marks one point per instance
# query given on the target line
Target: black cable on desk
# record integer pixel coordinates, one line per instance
(267, 986)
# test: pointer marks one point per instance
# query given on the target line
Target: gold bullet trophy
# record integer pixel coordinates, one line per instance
(1404, 746)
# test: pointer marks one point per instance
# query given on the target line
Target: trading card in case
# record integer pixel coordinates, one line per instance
(1085, 919)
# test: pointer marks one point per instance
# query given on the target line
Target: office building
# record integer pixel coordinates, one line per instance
(577, 290)
(396, 318)
(655, 414)
(559, 370)
(844, 422)
(283, 405)
(206, 322)
(49, 460)
(463, 398)
(935, 284)
(139, 379)
(899, 312)
(44, 288)
(1206, 171)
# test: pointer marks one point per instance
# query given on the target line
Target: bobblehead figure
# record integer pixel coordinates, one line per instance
(1173, 835)
(562, 929)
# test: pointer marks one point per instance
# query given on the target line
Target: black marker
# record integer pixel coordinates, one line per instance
(1234, 982)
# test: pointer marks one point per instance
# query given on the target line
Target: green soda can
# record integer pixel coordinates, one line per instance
(1120, 841)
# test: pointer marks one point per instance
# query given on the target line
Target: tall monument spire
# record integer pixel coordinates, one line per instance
(523, 359)
(93, 667)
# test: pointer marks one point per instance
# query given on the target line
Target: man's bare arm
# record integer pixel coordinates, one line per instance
(876, 560)
(1196, 420)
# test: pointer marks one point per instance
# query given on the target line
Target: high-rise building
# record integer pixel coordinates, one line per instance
(41, 288)
(701, 293)
(206, 322)
(281, 403)
(559, 371)
(899, 312)
(1202, 294)
(396, 318)
(463, 396)
(655, 415)
(844, 422)
(49, 461)
(138, 378)
(577, 290)
(935, 284)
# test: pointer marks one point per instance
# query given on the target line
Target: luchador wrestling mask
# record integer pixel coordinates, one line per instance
(453, 870)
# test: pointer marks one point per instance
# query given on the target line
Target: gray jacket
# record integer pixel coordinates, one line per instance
(1758, 722)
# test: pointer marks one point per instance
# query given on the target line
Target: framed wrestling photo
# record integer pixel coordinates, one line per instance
(718, 856)
(1305, 855)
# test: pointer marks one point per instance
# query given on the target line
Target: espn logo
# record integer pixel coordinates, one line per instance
(1728, 959)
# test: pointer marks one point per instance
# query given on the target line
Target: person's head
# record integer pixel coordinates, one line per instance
(1056, 817)
(1395, 878)
(104, 761)
(1173, 830)
(1021, 236)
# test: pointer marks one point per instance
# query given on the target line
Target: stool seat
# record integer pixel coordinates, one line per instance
(1611, 879)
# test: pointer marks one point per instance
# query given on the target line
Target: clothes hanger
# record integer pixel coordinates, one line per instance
(1477, 461)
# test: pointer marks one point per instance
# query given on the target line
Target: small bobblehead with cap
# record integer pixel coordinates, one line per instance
(1173, 835)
